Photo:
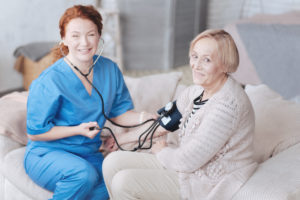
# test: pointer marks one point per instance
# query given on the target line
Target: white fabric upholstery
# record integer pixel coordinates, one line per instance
(13, 193)
(277, 124)
(6, 145)
(278, 178)
(14, 171)
(151, 92)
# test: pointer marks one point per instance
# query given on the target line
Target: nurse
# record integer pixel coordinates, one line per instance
(62, 154)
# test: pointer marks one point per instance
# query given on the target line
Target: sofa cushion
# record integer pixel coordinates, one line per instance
(275, 179)
(277, 124)
(13, 193)
(13, 170)
(13, 116)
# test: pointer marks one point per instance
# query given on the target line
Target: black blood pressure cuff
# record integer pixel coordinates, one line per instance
(170, 116)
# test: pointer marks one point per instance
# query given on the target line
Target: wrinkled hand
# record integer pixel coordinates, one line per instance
(84, 129)
(158, 146)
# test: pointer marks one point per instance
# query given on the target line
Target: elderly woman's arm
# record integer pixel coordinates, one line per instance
(215, 130)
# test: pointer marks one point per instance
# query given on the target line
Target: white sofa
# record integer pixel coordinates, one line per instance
(277, 145)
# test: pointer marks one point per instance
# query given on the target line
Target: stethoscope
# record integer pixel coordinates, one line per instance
(149, 131)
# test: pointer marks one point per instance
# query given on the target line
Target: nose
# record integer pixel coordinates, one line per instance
(84, 40)
(196, 64)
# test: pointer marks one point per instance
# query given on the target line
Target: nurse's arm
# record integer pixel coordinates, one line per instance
(59, 132)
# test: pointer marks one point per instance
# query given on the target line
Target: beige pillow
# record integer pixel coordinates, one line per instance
(13, 116)
(277, 121)
(149, 93)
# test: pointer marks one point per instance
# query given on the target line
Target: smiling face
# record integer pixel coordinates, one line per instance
(82, 39)
(206, 66)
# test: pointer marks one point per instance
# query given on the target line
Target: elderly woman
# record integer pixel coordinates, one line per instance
(214, 156)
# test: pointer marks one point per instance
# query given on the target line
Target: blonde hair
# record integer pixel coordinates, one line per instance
(227, 51)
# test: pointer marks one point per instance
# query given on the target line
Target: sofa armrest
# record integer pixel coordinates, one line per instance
(7, 145)
(277, 178)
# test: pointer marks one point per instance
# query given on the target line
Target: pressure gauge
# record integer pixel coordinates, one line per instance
(169, 106)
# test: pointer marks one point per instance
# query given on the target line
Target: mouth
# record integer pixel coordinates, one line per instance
(85, 50)
(198, 72)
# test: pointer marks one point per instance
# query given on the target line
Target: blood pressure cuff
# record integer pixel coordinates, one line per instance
(170, 116)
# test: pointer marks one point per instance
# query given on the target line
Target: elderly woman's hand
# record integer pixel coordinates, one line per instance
(158, 146)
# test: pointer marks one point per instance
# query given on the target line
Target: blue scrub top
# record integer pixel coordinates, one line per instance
(58, 98)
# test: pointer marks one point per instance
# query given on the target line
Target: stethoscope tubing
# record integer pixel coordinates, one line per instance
(152, 128)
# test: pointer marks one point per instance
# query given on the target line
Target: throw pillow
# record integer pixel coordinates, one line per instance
(149, 93)
(277, 120)
(13, 116)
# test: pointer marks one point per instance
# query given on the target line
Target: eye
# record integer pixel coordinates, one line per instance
(206, 60)
(194, 56)
(92, 34)
(75, 36)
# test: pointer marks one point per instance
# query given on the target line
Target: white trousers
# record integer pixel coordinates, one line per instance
(135, 175)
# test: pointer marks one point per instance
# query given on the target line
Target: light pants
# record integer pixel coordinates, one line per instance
(133, 175)
(69, 176)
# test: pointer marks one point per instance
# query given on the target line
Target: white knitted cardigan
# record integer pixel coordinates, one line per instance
(214, 158)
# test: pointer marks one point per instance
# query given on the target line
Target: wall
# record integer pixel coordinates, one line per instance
(23, 22)
(156, 33)
(221, 12)
(28, 21)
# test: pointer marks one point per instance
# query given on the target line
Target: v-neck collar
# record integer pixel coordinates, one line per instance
(78, 79)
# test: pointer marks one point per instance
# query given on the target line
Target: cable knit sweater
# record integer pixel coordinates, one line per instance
(214, 156)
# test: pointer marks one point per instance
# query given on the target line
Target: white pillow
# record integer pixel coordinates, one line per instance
(277, 121)
(149, 93)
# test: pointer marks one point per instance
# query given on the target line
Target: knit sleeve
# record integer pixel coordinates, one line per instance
(212, 134)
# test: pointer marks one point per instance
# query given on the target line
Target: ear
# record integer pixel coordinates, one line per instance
(63, 41)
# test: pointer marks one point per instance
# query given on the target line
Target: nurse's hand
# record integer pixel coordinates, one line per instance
(84, 129)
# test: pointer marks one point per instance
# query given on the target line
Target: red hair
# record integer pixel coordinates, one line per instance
(77, 11)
